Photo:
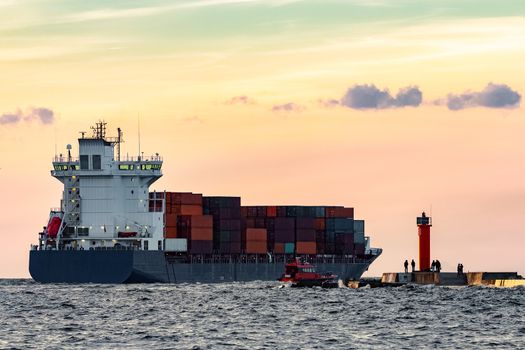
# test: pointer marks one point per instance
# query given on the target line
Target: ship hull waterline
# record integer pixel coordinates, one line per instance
(116, 267)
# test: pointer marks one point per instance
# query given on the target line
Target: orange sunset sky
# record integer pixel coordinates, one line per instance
(389, 106)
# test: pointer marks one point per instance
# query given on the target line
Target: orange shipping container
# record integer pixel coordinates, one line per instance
(256, 234)
(271, 211)
(201, 221)
(201, 234)
(256, 247)
(306, 248)
(278, 248)
(186, 209)
(320, 224)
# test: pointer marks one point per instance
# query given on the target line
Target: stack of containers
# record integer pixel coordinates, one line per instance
(184, 224)
(339, 225)
(176, 204)
(284, 234)
(256, 241)
(359, 237)
(320, 230)
(198, 231)
(305, 232)
(226, 212)
(260, 217)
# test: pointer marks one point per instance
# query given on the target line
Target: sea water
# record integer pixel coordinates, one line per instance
(257, 315)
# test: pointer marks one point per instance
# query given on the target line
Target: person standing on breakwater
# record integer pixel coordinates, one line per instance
(413, 264)
(438, 266)
(460, 269)
(406, 266)
(433, 266)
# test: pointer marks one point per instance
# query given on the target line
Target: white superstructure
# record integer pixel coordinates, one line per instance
(105, 198)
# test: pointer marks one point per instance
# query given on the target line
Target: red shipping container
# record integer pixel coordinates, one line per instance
(171, 232)
(185, 198)
(170, 220)
(306, 248)
(339, 212)
(201, 234)
(201, 221)
(256, 234)
(256, 247)
(320, 224)
(278, 248)
(244, 211)
(271, 211)
(188, 209)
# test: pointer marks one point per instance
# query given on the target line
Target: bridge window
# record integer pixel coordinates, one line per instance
(60, 167)
(84, 162)
(97, 164)
(126, 166)
(83, 231)
(150, 166)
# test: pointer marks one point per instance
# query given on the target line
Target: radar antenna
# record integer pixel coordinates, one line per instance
(99, 130)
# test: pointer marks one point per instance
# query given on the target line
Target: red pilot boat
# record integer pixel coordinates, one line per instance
(302, 274)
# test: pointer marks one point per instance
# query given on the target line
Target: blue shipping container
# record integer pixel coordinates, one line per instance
(359, 226)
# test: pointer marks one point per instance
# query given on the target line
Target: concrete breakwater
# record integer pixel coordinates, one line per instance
(498, 279)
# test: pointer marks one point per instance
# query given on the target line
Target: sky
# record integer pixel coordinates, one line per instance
(390, 106)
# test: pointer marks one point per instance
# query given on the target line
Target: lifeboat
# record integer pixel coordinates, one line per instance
(299, 273)
(53, 227)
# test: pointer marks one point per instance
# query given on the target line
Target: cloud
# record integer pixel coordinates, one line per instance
(44, 115)
(493, 96)
(240, 100)
(10, 118)
(370, 97)
(287, 107)
(329, 103)
(409, 96)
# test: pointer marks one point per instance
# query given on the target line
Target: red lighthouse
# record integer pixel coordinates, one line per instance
(423, 229)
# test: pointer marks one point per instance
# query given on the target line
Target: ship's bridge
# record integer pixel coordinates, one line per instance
(136, 166)
(105, 195)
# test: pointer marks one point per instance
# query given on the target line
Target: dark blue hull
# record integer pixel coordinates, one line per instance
(115, 266)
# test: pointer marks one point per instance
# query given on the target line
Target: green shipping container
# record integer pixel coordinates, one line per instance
(289, 248)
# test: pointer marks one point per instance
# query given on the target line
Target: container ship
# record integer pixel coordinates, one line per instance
(110, 228)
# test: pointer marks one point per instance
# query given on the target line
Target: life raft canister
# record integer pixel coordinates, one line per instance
(53, 227)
